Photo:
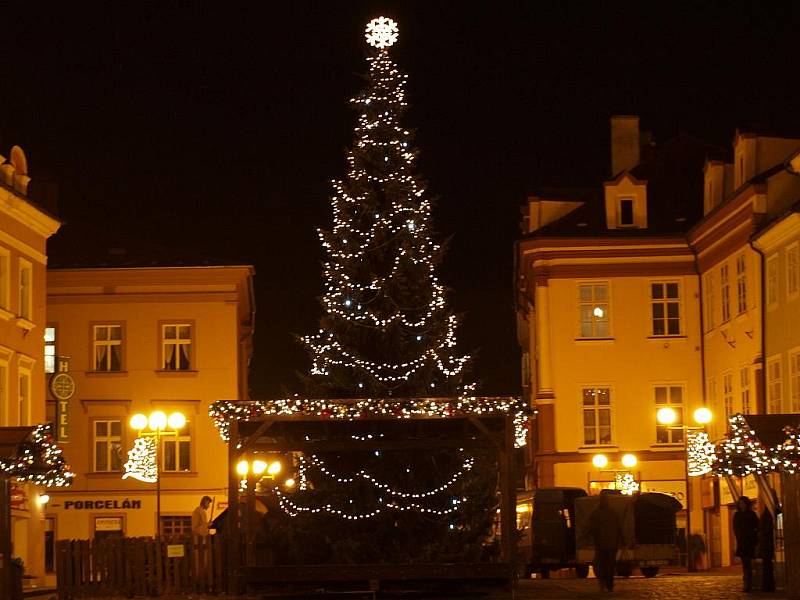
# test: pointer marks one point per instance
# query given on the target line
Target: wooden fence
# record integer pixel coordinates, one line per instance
(139, 567)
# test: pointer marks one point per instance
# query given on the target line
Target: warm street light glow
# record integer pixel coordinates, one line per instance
(138, 421)
(289, 483)
(523, 508)
(666, 416)
(176, 421)
(600, 461)
(242, 468)
(629, 461)
(44, 499)
(703, 416)
(259, 466)
(275, 468)
(158, 420)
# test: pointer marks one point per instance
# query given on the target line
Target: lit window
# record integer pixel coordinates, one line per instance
(727, 395)
(772, 280)
(49, 349)
(25, 290)
(741, 284)
(665, 304)
(670, 396)
(774, 385)
(596, 416)
(107, 445)
(176, 346)
(794, 374)
(744, 384)
(594, 305)
(107, 344)
(793, 270)
(177, 450)
(725, 289)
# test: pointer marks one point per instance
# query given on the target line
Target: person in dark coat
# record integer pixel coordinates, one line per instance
(766, 550)
(606, 530)
(745, 528)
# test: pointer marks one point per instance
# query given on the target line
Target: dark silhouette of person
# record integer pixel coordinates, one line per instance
(606, 530)
(745, 528)
(766, 550)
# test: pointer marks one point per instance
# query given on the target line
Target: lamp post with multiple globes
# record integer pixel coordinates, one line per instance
(157, 424)
(628, 462)
(702, 416)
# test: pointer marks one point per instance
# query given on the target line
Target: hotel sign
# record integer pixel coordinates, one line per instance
(62, 386)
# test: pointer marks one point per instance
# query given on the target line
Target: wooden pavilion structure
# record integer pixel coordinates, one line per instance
(276, 431)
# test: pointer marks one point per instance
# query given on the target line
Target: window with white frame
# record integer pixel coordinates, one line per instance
(594, 305)
(49, 349)
(107, 347)
(5, 278)
(772, 280)
(669, 396)
(665, 306)
(25, 290)
(177, 450)
(793, 270)
(24, 398)
(774, 385)
(741, 284)
(176, 346)
(794, 379)
(708, 290)
(727, 395)
(108, 445)
(744, 387)
(725, 293)
(596, 416)
(711, 394)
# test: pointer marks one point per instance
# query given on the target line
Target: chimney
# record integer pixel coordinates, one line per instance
(624, 143)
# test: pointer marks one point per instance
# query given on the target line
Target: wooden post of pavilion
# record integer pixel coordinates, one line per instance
(232, 534)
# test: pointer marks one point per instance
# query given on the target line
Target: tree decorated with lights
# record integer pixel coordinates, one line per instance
(387, 338)
(386, 328)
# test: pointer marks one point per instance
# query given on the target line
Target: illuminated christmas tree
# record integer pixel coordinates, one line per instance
(386, 329)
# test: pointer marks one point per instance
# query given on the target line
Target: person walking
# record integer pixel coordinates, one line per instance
(606, 532)
(745, 528)
(766, 550)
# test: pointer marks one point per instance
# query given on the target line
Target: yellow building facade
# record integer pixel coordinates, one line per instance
(650, 294)
(24, 230)
(171, 339)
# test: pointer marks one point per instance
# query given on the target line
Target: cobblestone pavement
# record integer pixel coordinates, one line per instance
(663, 587)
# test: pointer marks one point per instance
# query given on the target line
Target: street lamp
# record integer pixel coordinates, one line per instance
(155, 425)
(692, 434)
(623, 478)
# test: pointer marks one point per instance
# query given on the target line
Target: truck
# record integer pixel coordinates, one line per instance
(549, 543)
(649, 531)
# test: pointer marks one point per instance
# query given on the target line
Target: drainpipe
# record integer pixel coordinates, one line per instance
(763, 311)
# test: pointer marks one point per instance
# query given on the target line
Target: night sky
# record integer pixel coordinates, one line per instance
(216, 128)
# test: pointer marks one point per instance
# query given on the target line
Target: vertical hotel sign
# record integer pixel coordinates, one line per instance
(62, 386)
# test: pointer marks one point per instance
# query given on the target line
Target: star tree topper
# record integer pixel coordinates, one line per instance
(381, 33)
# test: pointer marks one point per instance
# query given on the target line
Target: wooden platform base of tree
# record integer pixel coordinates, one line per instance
(373, 578)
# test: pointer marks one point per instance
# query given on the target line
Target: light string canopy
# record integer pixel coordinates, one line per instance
(741, 453)
(700, 453)
(39, 460)
(141, 463)
(223, 412)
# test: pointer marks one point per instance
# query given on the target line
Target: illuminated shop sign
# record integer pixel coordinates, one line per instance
(102, 504)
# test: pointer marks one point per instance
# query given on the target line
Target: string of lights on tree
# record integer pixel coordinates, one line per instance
(142, 463)
(701, 453)
(223, 412)
(39, 460)
(741, 453)
(380, 270)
